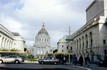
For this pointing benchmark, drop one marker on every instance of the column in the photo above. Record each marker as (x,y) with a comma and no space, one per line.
(5,45)
(3,42)
(0,41)
(7,42)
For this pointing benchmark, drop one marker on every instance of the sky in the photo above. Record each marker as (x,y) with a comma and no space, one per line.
(27,16)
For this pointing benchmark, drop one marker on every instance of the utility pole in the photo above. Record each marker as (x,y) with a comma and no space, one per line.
(69,46)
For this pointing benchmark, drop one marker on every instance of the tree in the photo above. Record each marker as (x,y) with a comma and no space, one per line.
(59,55)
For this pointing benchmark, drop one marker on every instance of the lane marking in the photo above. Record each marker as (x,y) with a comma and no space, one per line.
(82,67)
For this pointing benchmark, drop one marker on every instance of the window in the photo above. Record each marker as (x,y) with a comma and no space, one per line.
(71,48)
(91,42)
(62,50)
(86,36)
(83,46)
(104,41)
(67,47)
(62,46)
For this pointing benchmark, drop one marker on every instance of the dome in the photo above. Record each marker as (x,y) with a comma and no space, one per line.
(43,31)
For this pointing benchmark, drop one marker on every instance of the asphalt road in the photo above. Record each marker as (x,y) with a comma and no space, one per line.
(34,66)
(38,67)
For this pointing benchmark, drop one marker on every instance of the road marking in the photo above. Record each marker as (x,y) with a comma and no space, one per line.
(82,67)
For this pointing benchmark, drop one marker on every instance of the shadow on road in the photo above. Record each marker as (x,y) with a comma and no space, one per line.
(33,69)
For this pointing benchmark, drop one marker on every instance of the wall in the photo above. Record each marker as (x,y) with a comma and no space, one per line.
(95,10)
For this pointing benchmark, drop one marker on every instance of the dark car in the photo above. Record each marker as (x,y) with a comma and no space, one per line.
(98,62)
(49,61)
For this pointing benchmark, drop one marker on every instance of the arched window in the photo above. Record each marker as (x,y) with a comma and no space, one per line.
(82,42)
(71,47)
(77,44)
(86,37)
(91,40)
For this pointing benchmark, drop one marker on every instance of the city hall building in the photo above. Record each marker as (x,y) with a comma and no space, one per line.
(10,40)
(42,43)
(91,39)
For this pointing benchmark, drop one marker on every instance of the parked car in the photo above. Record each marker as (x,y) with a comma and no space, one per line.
(11,59)
(49,61)
(98,62)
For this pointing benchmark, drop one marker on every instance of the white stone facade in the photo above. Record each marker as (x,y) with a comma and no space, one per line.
(91,39)
(42,44)
(62,45)
(19,42)
(9,41)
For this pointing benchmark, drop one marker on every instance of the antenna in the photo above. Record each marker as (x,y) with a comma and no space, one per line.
(69,30)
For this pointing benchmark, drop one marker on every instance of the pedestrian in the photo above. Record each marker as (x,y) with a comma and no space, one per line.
(85,60)
(88,60)
(81,60)
(74,59)
(64,60)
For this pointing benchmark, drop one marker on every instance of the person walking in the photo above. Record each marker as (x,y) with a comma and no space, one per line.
(81,60)
(74,59)
(87,61)
(64,60)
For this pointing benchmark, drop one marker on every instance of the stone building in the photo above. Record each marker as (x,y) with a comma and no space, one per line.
(18,42)
(10,40)
(62,45)
(91,39)
(42,43)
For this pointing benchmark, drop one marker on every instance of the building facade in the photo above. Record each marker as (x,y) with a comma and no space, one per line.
(42,44)
(9,40)
(19,42)
(62,45)
(91,39)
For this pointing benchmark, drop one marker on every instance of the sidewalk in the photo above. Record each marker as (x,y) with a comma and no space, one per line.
(94,66)
(30,61)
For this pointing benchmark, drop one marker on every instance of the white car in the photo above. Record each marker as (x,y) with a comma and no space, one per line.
(11,59)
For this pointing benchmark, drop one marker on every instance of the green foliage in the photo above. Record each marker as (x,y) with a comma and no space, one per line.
(59,55)
(8,50)
(50,55)
(13,50)
(4,50)
(32,59)
(30,56)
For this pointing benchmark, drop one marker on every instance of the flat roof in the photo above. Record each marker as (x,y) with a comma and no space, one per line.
(90,5)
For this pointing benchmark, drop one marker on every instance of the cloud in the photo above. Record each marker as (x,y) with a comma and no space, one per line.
(10,23)
(27,16)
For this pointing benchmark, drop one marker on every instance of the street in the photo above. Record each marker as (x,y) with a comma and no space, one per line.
(35,66)
(32,66)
